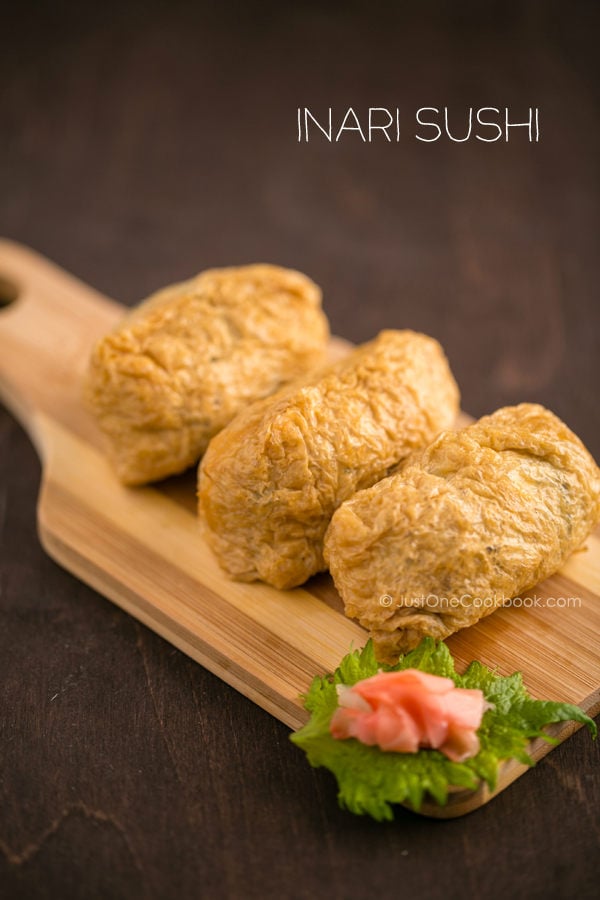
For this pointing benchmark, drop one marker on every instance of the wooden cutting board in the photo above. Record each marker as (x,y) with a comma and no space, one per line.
(142,548)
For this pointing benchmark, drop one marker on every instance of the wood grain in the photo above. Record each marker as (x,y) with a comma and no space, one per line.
(143,549)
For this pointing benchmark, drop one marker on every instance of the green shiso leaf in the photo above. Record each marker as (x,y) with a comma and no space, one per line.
(371,781)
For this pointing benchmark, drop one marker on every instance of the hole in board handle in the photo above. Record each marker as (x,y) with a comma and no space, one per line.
(8,291)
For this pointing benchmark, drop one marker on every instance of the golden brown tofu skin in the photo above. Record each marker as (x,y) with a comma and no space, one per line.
(188,359)
(270,482)
(478,517)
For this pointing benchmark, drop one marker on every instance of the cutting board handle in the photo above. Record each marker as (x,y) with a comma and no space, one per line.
(49,321)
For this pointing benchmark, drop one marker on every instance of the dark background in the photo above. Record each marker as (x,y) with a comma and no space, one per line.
(141,144)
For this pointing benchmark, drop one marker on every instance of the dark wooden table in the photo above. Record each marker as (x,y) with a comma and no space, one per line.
(142,142)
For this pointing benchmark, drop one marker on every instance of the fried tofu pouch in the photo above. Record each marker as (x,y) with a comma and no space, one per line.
(270,482)
(182,364)
(478,517)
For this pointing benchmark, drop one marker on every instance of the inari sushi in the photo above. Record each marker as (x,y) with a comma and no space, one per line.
(183,363)
(478,517)
(271,481)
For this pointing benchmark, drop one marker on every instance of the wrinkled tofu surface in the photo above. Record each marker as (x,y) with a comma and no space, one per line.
(182,364)
(477,518)
(270,482)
